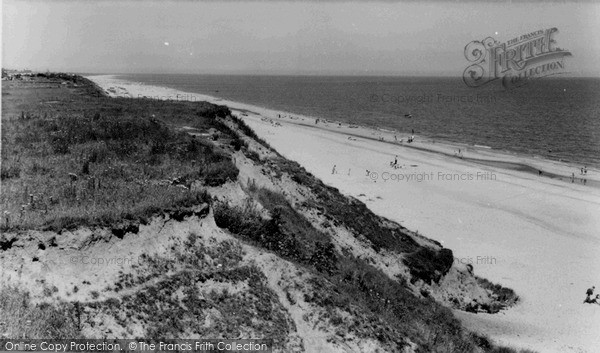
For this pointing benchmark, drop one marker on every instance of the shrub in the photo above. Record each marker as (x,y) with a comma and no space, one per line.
(219,173)
(324,258)
(506,296)
(429,265)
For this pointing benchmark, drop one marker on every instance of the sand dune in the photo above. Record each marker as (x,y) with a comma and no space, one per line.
(537,235)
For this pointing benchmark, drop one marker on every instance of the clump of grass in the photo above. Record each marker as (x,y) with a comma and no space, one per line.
(505,296)
(287,232)
(248,224)
(429,265)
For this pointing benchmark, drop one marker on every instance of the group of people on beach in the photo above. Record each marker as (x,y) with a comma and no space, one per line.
(334,170)
(588,296)
(287,116)
(582,180)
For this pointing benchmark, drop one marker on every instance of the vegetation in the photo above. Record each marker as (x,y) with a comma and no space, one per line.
(287,233)
(70,163)
(506,296)
(429,265)
(350,212)
(23,319)
(175,306)
(247,130)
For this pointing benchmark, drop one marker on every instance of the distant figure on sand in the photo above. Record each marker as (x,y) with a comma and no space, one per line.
(394,164)
(596,300)
(333,170)
(585,170)
(588,294)
(572,177)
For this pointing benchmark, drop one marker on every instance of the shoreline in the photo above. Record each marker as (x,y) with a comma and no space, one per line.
(541,233)
(509,165)
(485,155)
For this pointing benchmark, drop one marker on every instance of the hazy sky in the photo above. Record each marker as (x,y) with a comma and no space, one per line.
(337,37)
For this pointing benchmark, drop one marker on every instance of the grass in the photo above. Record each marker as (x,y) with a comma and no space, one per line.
(85,162)
(21,319)
(506,296)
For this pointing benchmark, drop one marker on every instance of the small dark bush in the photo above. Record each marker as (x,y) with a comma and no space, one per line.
(219,173)
(429,265)
(324,259)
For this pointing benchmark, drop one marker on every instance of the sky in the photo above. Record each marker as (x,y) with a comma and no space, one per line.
(275,37)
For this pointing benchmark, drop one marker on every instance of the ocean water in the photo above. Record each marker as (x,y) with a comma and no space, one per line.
(553,118)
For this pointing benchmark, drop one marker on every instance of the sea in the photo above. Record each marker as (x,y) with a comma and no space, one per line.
(555,118)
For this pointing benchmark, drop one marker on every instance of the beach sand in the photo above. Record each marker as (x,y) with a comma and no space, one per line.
(539,235)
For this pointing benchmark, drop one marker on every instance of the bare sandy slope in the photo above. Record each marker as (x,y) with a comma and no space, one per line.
(537,235)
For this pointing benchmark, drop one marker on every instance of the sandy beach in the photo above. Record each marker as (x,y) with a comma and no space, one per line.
(539,235)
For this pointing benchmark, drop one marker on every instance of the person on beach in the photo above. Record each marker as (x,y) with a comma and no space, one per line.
(588,294)
(584,170)
(333,170)
(572,177)
(596,300)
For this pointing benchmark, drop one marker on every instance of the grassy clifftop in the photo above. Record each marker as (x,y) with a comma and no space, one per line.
(230,239)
